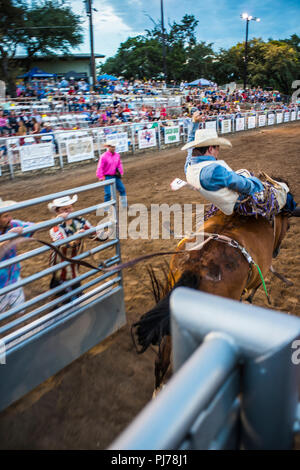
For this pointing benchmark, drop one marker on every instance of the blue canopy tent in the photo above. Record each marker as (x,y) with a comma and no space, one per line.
(201,82)
(105,76)
(35,72)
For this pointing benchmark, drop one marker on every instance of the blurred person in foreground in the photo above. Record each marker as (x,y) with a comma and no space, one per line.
(11,274)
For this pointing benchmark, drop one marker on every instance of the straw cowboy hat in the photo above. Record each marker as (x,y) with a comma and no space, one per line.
(207,138)
(6,203)
(62,202)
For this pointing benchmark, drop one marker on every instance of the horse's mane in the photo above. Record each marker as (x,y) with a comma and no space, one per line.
(160,286)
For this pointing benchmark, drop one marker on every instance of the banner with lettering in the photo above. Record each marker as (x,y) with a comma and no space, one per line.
(271,119)
(251,122)
(226,126)
(261,120)
(80,149)
(171,134)
(240,124)
(120,140)
(36,156)
(211,125)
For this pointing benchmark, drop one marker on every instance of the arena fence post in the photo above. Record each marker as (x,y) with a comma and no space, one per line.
(10,160)
(117,207)
(132,139)
(60,155)
(235,379)
(158,136)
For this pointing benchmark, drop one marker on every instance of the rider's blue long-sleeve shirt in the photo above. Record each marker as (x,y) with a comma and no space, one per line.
(214,177)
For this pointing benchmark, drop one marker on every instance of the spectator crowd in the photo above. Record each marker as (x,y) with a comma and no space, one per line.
(42,104)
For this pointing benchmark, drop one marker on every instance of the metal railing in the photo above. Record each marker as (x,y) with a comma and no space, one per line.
(235,384)
(67,303)
(60,148)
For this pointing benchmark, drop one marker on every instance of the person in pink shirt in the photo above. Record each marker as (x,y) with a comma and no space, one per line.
(109,167)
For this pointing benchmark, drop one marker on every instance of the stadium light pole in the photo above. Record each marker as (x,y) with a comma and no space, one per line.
(248,18)
(89,12)
(163,40)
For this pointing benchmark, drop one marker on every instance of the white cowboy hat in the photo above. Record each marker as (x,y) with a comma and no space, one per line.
(207,138)
(6,203)
(62,202)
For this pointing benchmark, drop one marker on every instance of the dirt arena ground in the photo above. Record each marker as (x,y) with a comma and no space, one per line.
(86,405)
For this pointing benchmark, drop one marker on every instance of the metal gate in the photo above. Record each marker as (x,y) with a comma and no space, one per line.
(50,330)
(235,384)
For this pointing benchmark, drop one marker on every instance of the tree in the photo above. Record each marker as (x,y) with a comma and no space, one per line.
(278,67)
(137,57)
(44,27)
(270,64)
(141,56)
(273,63)
(200,60)
(64,33)
(11,35)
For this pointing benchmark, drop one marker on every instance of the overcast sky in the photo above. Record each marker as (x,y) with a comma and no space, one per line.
(219,20)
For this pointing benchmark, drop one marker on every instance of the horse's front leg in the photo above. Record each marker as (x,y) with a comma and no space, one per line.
(253,292)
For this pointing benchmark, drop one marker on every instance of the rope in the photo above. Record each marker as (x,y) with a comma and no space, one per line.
(102,265)
(263,282)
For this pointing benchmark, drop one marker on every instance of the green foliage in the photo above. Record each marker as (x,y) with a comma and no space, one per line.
(142,56)
(270,64)
(65,34)
(11,21)
(29,26)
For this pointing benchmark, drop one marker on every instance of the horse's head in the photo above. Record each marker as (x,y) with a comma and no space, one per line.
(282,225)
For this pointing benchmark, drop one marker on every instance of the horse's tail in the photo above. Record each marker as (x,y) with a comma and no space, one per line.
(155,324)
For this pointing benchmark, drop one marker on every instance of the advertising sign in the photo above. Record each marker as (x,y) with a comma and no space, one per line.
(36,156)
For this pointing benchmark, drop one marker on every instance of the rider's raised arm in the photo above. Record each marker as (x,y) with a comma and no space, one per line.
(215,177)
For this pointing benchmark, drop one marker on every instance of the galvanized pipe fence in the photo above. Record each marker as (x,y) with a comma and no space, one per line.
(79,299)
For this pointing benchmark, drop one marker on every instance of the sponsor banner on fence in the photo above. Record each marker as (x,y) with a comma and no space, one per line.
(171,135)
(211,125)
(261,120)
(286,117)
(279,118)
(147,138)
(226,126)
(251,122)
(271,119)
(240,124)
(36,156)
(293,116)
(120,140)
(80,149)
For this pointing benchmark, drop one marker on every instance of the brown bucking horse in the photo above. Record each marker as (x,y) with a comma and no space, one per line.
(226,264)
